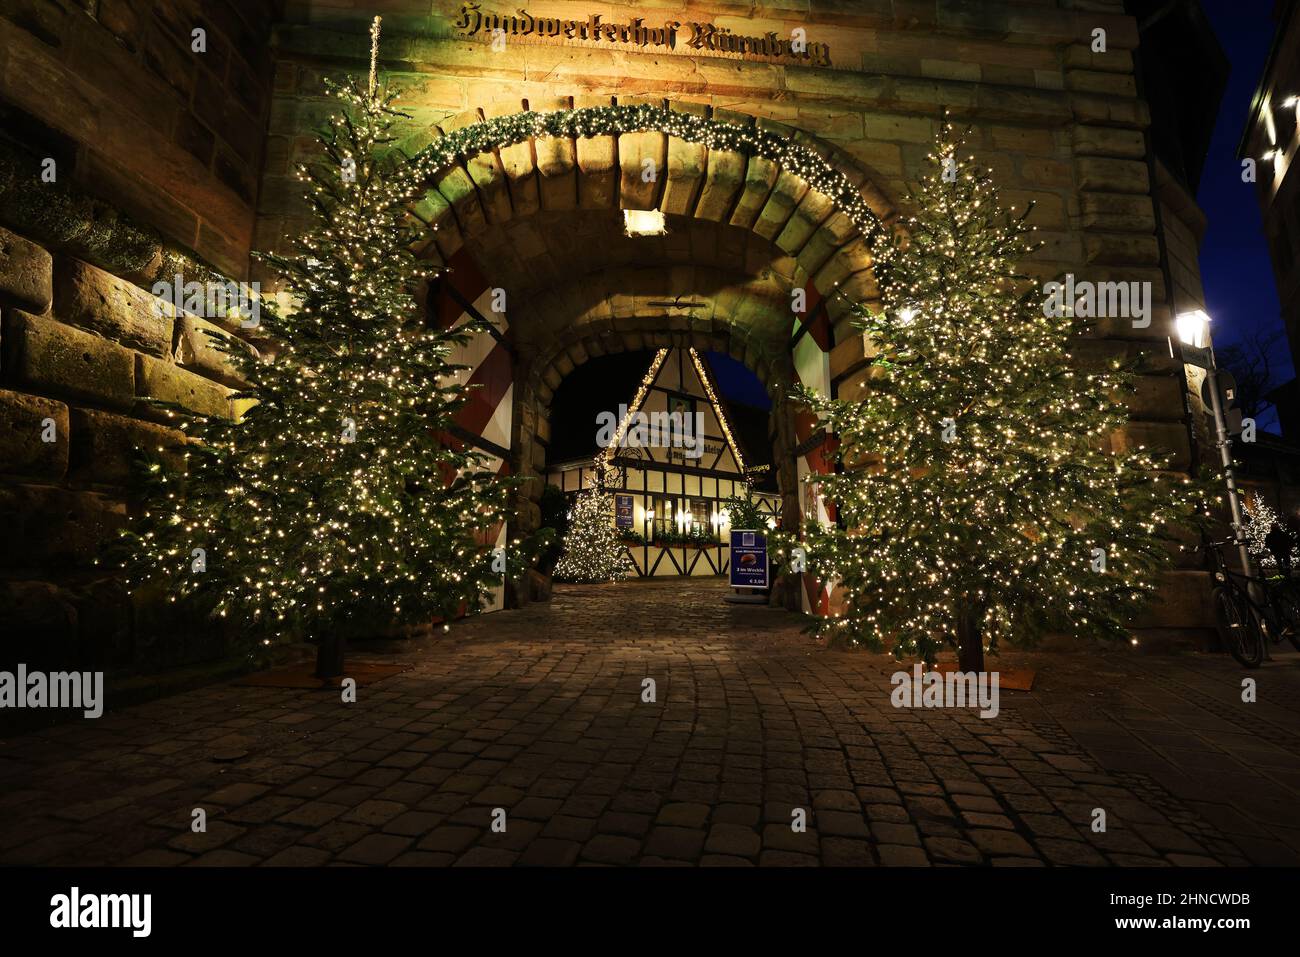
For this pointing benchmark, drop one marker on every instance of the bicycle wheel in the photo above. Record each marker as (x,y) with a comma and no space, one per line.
(1287,603)
(1238,627)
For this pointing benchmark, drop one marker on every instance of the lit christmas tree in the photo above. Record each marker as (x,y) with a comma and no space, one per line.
(1260,521)
(592,549)
(979,499)
(337,505)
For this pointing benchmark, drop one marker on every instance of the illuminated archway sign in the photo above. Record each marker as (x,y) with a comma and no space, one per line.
(668,36)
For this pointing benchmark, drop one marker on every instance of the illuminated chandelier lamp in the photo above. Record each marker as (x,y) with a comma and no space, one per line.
(644,222)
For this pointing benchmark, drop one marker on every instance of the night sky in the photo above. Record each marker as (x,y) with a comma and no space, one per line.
(1240,292)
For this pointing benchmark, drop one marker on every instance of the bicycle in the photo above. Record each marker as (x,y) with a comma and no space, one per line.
(1243,622)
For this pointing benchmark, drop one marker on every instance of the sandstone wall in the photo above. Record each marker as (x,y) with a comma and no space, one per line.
(131,111)
(81,352)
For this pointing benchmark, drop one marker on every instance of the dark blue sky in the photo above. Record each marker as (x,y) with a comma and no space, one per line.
(1240,293)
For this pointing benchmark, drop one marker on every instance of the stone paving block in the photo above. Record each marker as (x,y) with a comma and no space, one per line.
(733,840)
(683,815)
(611,849)
(787,859)
(1000,843)
(845,852)
(313,814)
(298,857)
(450,838)
(375,849)
(675,843)
(548,852)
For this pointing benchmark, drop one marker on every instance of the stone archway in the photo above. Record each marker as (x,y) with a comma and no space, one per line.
(532,201)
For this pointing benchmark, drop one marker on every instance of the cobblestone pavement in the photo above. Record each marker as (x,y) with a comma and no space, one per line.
(539,712)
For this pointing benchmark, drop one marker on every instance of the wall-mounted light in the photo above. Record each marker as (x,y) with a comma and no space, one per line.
(644,222)
(650,515)
(1193,328)
(1291,103)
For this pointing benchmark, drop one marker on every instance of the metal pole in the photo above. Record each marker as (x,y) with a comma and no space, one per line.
(1224,444)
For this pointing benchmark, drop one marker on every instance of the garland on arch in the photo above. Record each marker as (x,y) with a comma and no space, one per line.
(504,131)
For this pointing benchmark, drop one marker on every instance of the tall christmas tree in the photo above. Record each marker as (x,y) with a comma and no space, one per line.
(592,549)
(980,499)
(337,505)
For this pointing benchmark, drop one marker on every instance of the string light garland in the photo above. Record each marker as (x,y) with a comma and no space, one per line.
(604,461)
(499,132)
(717,408)
(978,487)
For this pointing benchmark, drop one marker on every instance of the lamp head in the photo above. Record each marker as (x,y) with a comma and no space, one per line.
(1193,328)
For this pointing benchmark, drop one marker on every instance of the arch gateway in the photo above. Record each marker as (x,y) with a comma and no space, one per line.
(773,137)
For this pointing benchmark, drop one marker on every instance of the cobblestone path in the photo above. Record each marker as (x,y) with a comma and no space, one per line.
(539,712)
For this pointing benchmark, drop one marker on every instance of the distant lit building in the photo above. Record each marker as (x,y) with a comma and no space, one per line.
(674,460)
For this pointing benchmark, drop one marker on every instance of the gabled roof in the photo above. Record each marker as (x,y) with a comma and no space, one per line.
(638,400)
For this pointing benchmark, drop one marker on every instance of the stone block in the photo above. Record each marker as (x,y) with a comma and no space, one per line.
(1121,249)
(48,356)
(1105,141)
(850,355)
(164,382)
(199,349)
(98,301)
(55,528)
(1157,398)
(1117,213)
(26,273)
(38,625)
(1112,175)
(105,446)
(24,423)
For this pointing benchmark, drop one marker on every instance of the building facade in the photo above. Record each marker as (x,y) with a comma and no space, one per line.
(774,137)
(1269,144)
(672,461)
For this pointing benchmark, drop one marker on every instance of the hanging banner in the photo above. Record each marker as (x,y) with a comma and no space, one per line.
(748,559)
(622,511)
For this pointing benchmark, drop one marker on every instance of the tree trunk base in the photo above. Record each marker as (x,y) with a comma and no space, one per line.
(970,644)
(330,654)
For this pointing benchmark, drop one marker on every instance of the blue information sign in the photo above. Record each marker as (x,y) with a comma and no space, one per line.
(622,511)
(748,559)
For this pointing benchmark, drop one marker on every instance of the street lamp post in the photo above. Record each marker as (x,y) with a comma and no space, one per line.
(1194,333)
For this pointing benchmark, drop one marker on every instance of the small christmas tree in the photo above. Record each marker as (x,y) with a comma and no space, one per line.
(980,498)
(592,549)
(337,505)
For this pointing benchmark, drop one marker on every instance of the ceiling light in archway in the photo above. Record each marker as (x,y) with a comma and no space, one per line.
(644,222)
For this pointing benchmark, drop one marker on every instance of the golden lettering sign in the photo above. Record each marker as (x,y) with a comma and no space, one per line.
(704,37)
